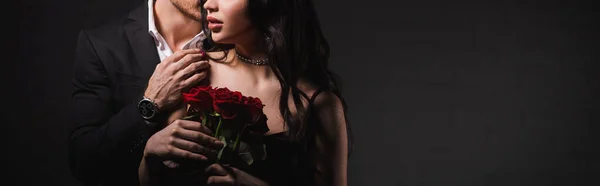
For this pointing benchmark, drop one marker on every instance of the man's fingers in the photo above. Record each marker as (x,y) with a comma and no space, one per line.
(203,135)
(192,125)
(217,170)
(175,67)
(221,175)
(191,69)
(174,152)
(189,59)
(198,137)
(193,80)
(220,180)
(192,147)
(180,54)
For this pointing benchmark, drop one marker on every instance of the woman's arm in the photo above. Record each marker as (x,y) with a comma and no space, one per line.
(144,173)
(331,151)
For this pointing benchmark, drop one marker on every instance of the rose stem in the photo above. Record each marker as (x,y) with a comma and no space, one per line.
(217,135)
(237,139)
(204,118)
(218,128)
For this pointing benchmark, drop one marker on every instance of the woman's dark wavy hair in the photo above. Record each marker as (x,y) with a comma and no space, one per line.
(297,49)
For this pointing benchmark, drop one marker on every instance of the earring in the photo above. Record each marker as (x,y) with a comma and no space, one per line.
(268,42)
(267,38)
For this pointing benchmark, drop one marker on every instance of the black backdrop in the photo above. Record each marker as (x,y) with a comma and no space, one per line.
(440,92)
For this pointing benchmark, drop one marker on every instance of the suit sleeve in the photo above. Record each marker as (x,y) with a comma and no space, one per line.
(106,142)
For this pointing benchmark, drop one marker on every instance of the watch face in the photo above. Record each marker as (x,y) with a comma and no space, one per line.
(146,109)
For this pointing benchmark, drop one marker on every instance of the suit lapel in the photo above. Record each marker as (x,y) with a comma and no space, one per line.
(141,42)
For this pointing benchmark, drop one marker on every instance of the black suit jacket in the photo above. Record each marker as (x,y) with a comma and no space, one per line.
(113,65)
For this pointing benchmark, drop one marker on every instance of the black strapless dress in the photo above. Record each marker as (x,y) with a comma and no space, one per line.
(285,164)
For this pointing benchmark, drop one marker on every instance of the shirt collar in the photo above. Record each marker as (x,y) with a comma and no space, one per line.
(151,26)
(195,42)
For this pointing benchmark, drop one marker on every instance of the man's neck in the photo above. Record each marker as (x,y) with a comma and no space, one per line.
(173,25)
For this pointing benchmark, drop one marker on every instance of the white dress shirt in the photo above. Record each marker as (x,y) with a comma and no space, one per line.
(163,48)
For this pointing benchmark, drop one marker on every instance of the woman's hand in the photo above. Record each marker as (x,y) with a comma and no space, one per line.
(219,175)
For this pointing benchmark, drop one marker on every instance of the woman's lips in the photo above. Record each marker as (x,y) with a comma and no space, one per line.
(214,23)
(214,26)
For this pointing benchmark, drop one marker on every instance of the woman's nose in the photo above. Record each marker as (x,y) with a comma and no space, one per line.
(210,5)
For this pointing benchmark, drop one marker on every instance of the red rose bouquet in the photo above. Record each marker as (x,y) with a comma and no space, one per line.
(237,120)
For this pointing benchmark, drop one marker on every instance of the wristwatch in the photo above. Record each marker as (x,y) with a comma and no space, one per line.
(149,112)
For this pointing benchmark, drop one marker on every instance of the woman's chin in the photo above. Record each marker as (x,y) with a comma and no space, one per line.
(220,38)
(216,37)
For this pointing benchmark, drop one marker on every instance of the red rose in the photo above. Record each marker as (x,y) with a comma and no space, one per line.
(260,126)
(199,98)
(227,103)
(254,107)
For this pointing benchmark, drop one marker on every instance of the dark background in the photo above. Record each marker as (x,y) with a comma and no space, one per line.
(440,92)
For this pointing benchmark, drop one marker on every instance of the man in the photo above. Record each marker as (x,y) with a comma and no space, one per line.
(128,79)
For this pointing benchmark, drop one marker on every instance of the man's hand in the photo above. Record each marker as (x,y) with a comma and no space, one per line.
(174,75)
(183,139)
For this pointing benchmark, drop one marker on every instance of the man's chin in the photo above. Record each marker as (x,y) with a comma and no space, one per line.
(195,15)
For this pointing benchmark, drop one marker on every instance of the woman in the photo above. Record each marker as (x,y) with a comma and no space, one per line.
(263,48)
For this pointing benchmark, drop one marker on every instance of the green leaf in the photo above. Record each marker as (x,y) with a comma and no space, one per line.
(237,138)
(247,157)
(259,151)
(247,151)
(224,140)
(264,150)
